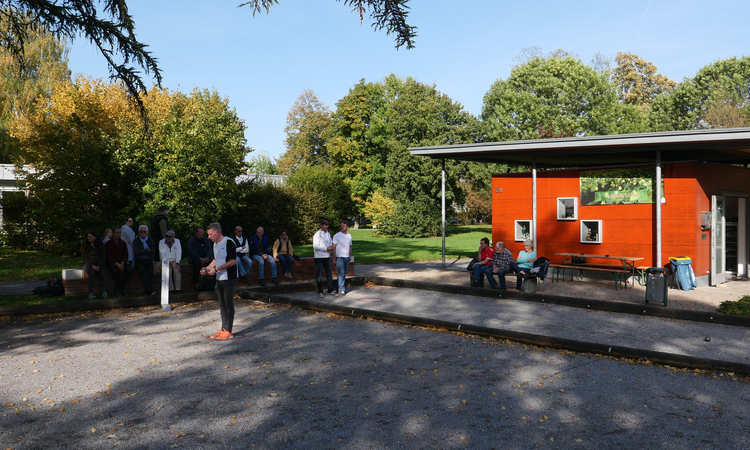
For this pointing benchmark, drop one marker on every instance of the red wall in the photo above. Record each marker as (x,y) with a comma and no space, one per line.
(627,230)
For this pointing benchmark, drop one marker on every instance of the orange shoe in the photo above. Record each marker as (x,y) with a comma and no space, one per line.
(217,334)
(224,334)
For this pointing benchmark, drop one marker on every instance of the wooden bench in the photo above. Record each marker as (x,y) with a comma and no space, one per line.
(619,273)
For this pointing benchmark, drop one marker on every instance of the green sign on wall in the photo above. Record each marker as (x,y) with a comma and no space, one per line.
(618,186)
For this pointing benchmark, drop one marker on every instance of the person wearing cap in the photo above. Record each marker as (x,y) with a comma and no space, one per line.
(170,250)
(322,248)
(159,226)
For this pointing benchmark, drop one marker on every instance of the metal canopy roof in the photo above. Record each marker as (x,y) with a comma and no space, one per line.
(729,146)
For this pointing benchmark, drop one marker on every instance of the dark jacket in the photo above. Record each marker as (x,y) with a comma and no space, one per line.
(140,253)
(264,249)
(93,256)
(159,228)
(199,248)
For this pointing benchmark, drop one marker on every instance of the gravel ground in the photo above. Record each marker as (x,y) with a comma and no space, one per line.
(700,299)
(143,378)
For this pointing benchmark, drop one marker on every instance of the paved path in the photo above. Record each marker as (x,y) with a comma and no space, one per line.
(20,287)
(654,334)
(143,378)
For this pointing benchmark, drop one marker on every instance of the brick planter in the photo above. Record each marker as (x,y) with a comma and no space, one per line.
(75,281)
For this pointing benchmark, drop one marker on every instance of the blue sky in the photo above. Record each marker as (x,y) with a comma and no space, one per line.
(263,64)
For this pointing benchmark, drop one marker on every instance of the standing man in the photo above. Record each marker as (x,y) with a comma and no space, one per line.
(322,248)
(224,267)
(159,226)
(170,250)
(117,260)
(199,253)
(128,236)
(243,261)
(144,250)
(342,248)
(484,260)
(259,246)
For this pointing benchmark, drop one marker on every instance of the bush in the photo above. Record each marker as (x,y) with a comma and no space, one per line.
(319,193)
(414,219)
(740,307)
(272,207)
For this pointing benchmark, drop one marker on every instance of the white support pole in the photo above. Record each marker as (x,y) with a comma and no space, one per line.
(443,207)
(533,205)
(658,209)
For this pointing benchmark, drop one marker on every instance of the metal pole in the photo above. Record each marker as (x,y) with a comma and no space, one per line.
(443,207)
(533,205)
(658,209)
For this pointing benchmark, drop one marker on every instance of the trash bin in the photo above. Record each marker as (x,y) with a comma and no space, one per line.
(683,272)
(656,285)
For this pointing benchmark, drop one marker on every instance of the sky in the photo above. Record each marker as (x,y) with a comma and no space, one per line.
(262,64)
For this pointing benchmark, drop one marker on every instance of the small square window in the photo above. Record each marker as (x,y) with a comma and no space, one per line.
(523,230)
(591,231)
(567,208)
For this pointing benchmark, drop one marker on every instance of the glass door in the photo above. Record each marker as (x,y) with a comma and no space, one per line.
(718,240)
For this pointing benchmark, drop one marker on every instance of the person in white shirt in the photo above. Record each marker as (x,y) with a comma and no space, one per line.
(171,250)
(322,248)
(342,248)
(224,267)
(244,263)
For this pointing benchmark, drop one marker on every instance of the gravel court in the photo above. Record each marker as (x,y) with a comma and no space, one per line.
(147,379)
(725,342)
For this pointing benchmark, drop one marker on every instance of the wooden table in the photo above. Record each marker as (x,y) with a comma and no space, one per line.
(628,262)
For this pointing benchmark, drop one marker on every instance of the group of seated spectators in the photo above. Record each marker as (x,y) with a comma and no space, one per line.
(122,251)
(500,262)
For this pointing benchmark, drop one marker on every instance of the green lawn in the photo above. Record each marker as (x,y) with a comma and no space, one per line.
(27,265)
(463,241)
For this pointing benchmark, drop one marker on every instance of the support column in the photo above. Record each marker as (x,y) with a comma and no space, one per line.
(658,209)
(533,205)
(443,208)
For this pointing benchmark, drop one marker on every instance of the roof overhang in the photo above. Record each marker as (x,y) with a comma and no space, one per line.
(728,146)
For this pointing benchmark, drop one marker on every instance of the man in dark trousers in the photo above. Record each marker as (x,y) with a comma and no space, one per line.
(224,266)
(159,226)
(117,260)
(199,252)
(144,249)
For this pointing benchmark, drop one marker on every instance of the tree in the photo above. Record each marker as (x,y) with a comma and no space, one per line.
(637,80)
(188,158)
(358,150)
(93,161)
(320,193)
(308,131)
(718,96)
(556,97)
(74,181)
(420,115)
(45,65)
(388,14)
(113,34)
(263,164)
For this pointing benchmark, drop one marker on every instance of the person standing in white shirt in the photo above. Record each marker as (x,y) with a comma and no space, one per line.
(342,248)
(322,248)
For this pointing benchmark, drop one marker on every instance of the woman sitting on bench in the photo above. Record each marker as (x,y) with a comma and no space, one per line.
(525,261)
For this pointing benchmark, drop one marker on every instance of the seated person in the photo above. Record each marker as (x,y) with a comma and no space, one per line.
(283,253)
(484,261)
(502,263)
(244,264)
(94,260)
(260,248)
(170,249)
(525,260)
(200,252)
